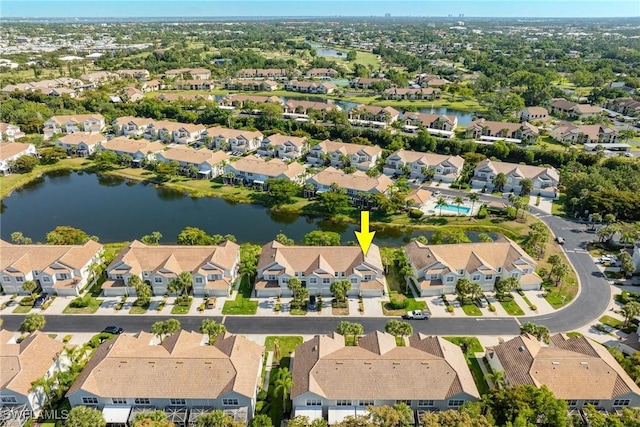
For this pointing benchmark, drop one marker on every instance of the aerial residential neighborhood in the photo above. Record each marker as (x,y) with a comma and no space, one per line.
(313,214)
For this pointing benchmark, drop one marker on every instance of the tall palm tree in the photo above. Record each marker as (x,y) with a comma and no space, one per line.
(458,201)
(283,385)
(440,203)
(473,198)
(499,181)
(345,159)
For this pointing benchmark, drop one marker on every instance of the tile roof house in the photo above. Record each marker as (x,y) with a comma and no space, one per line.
(133,94)
(98,77)
(363,157)
(150,86)
(304,107)
(184,97)
(251,170)
(193,85)
(283,146)
(180,133)
(194,73)
(485,130)
(430,80)
(181,373)
(266,73)
(10,151)
(257,85)
(131,126)
(310,87)
(338,380)
(240,101)
(576,369)
(81,143)
(9,132)
(322,73)
(140,74)
(210,164)
(373,113)
(530,114)
(233,140)
(354,183)
(57,269)
(412,93)
(437,268)
(545,179)
(447,168)
(626,106)
(213,268)
(138,149)
(573,109)
(365,82)
(35,357)
(317,267)
(435,124)
(92,123)
(568,133)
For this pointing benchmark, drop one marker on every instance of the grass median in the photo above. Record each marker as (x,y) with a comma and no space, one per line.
(242,304)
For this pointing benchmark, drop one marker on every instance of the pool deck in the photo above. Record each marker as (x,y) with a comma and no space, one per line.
(431,208)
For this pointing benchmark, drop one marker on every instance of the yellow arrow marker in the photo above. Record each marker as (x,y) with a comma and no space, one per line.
(364,236)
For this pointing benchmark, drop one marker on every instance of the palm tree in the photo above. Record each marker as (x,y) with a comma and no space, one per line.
(182,283)
(497,378)
(440,203)
(458,201)
(473,198)
(499,182)
(345,159)
(283,385)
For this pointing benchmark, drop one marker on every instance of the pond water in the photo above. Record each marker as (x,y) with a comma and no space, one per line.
(117,210)
(326,51)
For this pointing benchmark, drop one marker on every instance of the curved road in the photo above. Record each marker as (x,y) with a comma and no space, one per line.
(592,301)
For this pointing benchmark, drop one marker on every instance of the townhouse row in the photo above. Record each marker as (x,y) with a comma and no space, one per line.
(185,377)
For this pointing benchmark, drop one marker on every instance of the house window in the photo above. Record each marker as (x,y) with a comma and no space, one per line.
(46,279)
(366,403)
(90,400)
(314,402)
(591,402)
(299,273)
(455,403)
(141,401)
(489,277)
(499,269)
(434,276)
(178,402)
(8,399)
(198,279)
(230,402)
(343,402)
(119,277)
(119,401)
(515,274)
(621,402)
(158,280)
(425,403)
(6,278)
(406,402)
(369,277)
(572,403)
(312,280)
(326,280)
(19,279)
(450,279)
(354,280)
(461,271)
(475,277)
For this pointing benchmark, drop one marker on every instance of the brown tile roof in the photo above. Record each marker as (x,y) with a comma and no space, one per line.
(469,256)
(26,258)
(191,155)
(428,159)
(277,139)
(138,121)
(176,126)
(329,146)
(227,133)
(10,149)
(536,111)
(562,104)
(572,368)
(358,180)
(495,127)
(78,137)
(21,364)
(129,366)
(174,258)
(273,167)
(428,119)
(430,368)
(254,98)
(292,104)
(132,146)
(526,171)
(419,196)
(77,118)
(375,109)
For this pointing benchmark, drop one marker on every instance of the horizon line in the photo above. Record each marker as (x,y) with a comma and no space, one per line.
(320,17)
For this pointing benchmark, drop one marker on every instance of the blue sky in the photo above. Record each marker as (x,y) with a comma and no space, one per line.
(218,8)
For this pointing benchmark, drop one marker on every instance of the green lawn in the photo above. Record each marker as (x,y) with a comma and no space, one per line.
(512,308)
(412,305)
(92,305)
(140,309)
(287,344)
(473,346)
(524,297)
(557,206)
(242,304)
(471,310)
(22,309)
(472,343)
(611,321)
(574,334)
(181,308)
(298,311)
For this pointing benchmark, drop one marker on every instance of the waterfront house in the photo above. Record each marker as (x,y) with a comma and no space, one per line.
(240,101)
(182,376)
(333,381)
(416,164)
(214,269)
(428,93)
(322,73)
(56,269)
(531,114)
(251,170)
(317,267)
(11,151)
(354,183)
(180,133)
(283,146)
(255,85)
(81,143)
(92,123)
(233,140)
(193,85)
(545,179)
(436,269)
(193,73)
(560,106)
(294,106)
(365,82)
(139,150)
(436,124)
(310,87)
(266,73)
(341,154)
(209,164)
(578,370)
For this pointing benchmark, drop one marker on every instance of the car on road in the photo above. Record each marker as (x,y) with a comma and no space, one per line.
(42,298)
(417,315)
(115,330)
(560,240)
(312,305)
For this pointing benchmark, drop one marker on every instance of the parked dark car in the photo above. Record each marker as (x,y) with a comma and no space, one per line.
(312,305)
(115,330)
(42,298)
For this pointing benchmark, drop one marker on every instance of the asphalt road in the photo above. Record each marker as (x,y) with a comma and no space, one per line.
(592,301)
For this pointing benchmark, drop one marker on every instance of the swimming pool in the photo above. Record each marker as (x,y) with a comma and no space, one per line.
(464,210)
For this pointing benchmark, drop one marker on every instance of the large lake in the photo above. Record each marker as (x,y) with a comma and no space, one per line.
(118,210)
